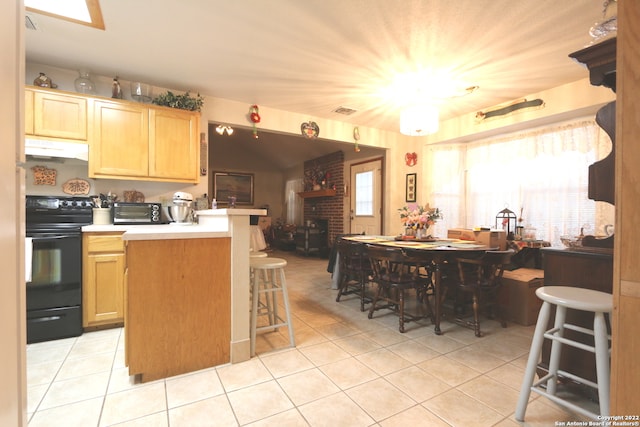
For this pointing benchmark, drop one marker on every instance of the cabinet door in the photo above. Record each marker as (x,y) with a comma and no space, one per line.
(28,112)
(120,147)
(59,116)
(103,299)
(173,145)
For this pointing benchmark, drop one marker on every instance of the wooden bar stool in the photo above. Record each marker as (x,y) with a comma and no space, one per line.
(261,305)
(268,279)
(563,298)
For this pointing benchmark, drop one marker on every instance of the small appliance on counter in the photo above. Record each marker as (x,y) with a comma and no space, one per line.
(180,212)
(136,213)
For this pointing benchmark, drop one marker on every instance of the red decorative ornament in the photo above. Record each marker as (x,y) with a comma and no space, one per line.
(253,114)
(254,117)
(411,159)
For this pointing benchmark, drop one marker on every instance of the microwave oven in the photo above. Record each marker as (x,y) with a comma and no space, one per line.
(124,213)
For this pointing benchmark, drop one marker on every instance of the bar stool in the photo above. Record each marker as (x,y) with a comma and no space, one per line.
(268,279)
(267,304)
(565,297)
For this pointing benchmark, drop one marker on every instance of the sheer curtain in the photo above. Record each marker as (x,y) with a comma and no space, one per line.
(541,175)
(294,203)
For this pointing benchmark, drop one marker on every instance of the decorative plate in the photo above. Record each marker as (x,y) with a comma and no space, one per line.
(133,196)
(76,186)
(310,129)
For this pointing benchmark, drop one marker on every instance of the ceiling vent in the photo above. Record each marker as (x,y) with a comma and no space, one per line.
(344,111)
(30,22)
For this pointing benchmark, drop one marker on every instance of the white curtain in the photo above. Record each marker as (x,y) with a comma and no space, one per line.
(294,203)
(541,175)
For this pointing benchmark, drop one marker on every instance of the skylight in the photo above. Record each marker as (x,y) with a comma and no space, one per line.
(85,12)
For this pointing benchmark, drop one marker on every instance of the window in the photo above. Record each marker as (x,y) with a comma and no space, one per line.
(85,12)
(293,202)
(364,193)
(542,176)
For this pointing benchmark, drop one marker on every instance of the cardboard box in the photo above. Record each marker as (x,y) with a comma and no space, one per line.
(519,293)
(491,238)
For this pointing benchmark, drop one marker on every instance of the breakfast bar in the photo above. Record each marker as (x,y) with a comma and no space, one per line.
(187,298)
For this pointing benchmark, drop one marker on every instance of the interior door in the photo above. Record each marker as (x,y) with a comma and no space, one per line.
(366,198)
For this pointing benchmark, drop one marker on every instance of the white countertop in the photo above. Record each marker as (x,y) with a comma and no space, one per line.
(161,231)
(212,225)
(231,212)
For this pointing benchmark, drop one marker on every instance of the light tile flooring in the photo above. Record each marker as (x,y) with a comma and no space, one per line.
(346,370)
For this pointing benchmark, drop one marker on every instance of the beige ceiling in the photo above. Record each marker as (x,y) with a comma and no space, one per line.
(312,56)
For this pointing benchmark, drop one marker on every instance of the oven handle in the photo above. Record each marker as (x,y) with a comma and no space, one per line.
(36,238)
(45,319)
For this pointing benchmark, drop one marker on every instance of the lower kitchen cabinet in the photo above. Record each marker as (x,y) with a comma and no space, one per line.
(103,279)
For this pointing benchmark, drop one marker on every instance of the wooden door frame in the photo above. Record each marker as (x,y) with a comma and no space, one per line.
(382,188)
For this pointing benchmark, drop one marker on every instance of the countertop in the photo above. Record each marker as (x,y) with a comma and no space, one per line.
(161,231)
(213,223)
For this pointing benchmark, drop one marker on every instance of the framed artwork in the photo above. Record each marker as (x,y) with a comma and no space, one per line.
(228,184)
(410,192)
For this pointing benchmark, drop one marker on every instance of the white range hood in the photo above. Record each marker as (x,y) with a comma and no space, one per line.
(47,149)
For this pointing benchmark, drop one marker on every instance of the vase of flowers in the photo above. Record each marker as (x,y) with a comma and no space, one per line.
(417,220)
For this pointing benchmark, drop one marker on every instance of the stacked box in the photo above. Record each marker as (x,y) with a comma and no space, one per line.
(519,292)
(492,238)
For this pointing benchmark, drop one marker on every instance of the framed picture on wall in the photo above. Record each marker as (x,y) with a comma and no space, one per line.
(228,184)
(410,192)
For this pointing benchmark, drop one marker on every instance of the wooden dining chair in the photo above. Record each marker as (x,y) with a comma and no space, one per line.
(394,273)
(355,270)
(481,277)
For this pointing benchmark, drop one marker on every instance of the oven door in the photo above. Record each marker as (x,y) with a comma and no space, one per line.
(56,270)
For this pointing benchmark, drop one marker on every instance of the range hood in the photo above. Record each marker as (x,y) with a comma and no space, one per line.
(55,150)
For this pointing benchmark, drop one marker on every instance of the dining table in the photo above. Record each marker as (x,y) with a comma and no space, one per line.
(436,251)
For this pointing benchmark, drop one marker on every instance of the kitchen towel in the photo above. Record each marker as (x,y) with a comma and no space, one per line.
(28,257)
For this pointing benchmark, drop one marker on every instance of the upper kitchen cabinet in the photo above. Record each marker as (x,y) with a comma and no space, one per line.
(136,141)
(56,114)
(173,144)
(120,144)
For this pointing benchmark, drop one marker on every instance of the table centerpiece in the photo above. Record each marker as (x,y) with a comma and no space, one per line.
(417,220)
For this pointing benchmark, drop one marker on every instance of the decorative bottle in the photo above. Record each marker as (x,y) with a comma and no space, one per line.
(84,84)
(214,204)
(116,90)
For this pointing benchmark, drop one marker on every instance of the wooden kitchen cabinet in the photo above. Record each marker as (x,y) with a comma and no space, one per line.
(120,144)
(178,306)
(140,142)
(56,114)
(103,284)
(173,144)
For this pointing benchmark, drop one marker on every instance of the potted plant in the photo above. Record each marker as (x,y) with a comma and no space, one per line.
(183,102)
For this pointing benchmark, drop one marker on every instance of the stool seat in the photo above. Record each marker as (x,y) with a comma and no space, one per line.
(576,298)
(564,298)
(267,262)
(257,254)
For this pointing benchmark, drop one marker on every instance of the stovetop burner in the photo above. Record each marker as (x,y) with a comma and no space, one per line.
(58,210)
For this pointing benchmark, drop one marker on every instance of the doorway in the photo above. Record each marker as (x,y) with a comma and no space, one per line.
(365,210)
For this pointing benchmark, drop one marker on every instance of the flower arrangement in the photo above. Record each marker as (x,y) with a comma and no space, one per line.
(315,176)
(415,216)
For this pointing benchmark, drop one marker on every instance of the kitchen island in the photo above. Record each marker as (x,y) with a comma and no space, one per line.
(187,294)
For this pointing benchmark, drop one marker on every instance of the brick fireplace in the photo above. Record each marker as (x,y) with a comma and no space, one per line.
(327,208)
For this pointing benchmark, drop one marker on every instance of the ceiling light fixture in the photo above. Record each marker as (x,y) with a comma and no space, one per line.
(419,120)
(221,129)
